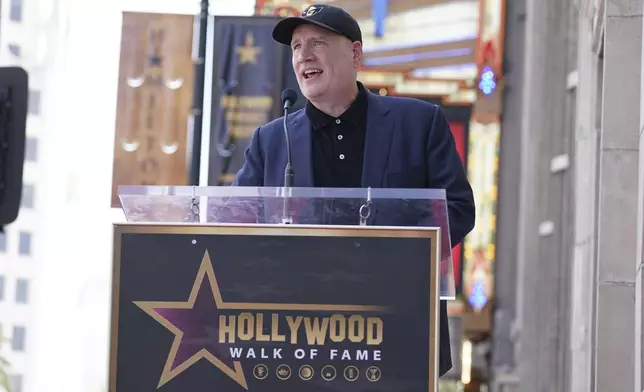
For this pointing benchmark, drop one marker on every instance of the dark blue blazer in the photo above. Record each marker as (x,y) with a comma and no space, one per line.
(408,145)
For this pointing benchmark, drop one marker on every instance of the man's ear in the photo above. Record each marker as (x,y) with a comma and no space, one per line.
(356,49)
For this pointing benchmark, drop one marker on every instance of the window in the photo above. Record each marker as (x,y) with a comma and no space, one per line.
(28,196)
(1,291)
(15,50)
(15,382)
(22,291)
(24,243)
(18,338)
(34,102)
(31,149)
(15,14)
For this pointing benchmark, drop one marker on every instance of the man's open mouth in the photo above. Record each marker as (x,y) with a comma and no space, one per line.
(312,73)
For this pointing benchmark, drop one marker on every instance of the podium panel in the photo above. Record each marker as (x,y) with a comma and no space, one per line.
(271,307)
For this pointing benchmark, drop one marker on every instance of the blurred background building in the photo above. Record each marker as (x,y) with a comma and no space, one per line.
(569,266)
(544,102)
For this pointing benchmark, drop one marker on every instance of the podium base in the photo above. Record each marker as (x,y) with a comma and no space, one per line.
(274,307)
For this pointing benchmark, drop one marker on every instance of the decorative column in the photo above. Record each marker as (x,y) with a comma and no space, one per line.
(619,241)
(546,189)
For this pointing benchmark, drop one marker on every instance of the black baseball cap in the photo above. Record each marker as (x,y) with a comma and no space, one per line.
(328,17)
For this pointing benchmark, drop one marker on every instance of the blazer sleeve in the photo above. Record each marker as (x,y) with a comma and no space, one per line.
(240,209)
(446,171)
(252,172)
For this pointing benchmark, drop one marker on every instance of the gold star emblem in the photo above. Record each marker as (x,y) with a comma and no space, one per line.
(206,295)
(248,52)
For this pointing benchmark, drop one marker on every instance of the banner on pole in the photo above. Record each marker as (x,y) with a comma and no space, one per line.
(251,70)
(155,91)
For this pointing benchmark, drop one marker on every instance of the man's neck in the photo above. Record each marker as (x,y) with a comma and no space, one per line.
(336,107)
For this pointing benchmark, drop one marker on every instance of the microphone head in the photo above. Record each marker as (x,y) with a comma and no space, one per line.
(289,97)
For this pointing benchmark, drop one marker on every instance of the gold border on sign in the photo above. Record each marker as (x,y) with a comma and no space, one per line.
(283,230)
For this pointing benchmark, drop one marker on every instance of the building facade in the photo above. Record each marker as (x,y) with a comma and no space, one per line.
(55,260)
(22,26)
(571,187)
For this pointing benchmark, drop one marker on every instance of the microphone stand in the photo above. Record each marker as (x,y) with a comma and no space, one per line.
(288,172)
(365,209)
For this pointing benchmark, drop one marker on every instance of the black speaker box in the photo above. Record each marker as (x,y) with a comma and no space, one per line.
(14,91)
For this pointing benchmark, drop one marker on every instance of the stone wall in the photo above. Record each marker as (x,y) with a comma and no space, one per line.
(581,200)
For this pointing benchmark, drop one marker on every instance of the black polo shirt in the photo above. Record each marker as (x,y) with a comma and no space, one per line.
(338,144)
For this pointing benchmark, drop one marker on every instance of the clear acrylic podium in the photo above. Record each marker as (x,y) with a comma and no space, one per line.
(306,206)
(267,257)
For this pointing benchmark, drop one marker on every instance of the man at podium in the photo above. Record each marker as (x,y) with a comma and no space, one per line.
(347,137)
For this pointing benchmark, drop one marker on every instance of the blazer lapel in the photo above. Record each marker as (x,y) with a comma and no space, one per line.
(380,130)
(300,133)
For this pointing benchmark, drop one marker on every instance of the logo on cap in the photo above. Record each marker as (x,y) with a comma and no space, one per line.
(312,10)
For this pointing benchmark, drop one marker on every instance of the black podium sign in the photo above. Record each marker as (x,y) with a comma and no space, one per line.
(274,308)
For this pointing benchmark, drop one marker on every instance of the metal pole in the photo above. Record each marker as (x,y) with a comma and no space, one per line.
(197,103)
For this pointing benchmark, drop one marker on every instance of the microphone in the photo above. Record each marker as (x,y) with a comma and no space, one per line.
(289,97)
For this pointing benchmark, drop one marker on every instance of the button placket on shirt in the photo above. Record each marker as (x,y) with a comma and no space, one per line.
(339,137)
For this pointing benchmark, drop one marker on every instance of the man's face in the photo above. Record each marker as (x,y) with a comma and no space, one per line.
(325,63)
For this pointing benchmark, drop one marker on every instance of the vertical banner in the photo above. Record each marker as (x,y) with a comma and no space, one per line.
(155,89)
(478,273)
(251,70)
(483,157)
